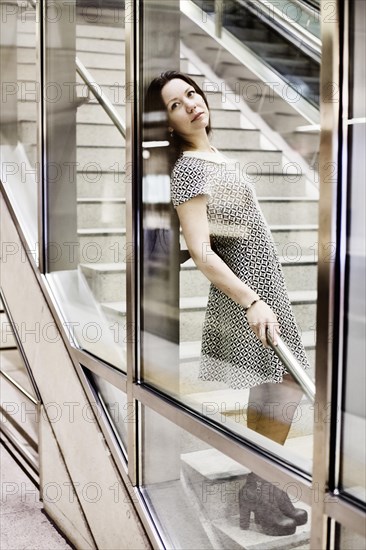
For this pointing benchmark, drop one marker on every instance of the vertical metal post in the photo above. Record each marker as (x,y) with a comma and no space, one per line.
(59,157)
(328,163)
(132,11)
(41,196)
(219,8)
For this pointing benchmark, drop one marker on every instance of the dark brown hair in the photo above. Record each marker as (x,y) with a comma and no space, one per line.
(154,102)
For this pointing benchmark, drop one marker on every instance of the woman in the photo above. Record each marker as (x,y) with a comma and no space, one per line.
(231,244)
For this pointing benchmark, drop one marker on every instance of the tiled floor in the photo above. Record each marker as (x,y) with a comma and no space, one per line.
(22,523)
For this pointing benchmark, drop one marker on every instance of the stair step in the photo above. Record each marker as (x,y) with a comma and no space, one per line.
(281,185)
(26,40)
(300,273)
(27,73)
(254,160)
(192,312)
(107,77)
(107,281)
(305,143)
(11,360)
(93,113)
(97,183)
(289,210)
(101,32)
(100,45)
(7,340)
(191,350)
(214,465)
(215,481)
(26,55)
(106,158)
(302,238)
(221,118)
(94,135)
(104,245)
(292,240)
(243,139)
(101,212)
(233,537)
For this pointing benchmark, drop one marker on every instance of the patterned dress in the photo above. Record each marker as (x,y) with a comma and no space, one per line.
(239,234)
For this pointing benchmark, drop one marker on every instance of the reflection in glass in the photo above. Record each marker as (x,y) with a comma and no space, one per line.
(115,404)
(288,200)
(86,249)
(354,407)
(20,98)
(203,499)
(20,413)
(273,31)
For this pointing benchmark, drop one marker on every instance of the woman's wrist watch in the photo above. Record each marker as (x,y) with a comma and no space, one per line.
(252,304)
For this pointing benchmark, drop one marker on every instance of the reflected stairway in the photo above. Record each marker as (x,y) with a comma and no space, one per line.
(287,94)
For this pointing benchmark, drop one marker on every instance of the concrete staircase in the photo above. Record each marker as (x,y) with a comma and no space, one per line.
(214,481)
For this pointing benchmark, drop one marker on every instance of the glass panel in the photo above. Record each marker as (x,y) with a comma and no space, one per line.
(349,540)
(12,364)
(203,499)
(86,249)
(354,408)
(11,361)
(270,30)
(20,95)
(175,357)
(115,405)
(280,48)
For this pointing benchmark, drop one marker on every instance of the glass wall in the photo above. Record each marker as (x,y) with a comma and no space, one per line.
(175,292)
(114,402)
(20,97)
(354,412)
(86,250)
(204,499)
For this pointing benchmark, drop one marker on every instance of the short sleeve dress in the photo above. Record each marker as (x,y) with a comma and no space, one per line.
(239,234)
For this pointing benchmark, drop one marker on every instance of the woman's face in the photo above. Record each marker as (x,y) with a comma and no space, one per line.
(187,110)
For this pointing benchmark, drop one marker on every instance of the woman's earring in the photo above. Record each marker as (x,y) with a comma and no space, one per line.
(171,131)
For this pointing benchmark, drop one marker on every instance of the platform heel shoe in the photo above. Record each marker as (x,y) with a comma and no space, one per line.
(257,496)
(284,503)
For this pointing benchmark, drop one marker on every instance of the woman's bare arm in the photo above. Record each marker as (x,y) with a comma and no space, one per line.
(193,219)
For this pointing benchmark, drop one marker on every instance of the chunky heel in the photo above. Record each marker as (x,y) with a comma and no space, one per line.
(258,496)
(244,513)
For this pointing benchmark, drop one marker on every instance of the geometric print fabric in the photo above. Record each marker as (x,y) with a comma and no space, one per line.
(239,234)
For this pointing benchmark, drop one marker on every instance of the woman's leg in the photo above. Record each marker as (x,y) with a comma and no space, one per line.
(272,407)
(270,412)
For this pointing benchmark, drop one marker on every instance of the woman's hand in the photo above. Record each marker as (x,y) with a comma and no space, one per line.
(260,318)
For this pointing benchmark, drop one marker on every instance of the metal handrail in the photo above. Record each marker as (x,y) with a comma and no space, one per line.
(96,90)
(293,366)
(100,96)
